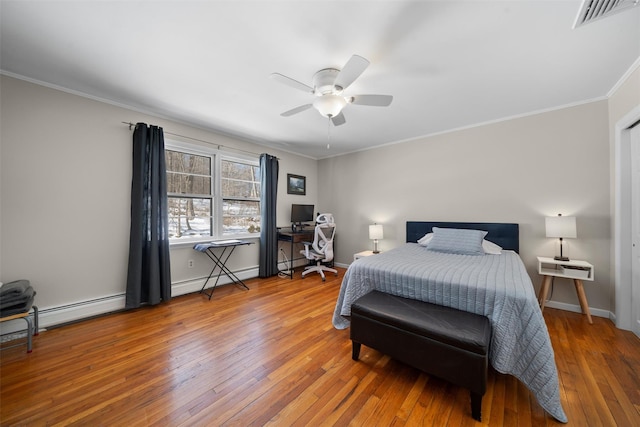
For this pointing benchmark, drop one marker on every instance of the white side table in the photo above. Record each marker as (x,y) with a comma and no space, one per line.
(573,269)
(362,255)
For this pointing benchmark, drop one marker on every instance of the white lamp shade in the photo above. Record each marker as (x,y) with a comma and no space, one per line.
(375,232)
(330,105)
(561,226)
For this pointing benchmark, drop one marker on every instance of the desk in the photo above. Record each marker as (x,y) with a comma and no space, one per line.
(293,237)
(574,269)
(220,261)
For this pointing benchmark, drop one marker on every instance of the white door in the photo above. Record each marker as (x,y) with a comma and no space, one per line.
(635,228)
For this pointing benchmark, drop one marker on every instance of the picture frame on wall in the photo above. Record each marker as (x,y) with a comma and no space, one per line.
(296,184)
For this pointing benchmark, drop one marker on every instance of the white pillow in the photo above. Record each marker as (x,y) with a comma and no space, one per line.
(424,240)
(491,248)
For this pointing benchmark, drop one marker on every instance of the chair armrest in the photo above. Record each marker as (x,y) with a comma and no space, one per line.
(307,246)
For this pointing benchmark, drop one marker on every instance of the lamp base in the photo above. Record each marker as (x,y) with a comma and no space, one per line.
(375,246)
(561,258)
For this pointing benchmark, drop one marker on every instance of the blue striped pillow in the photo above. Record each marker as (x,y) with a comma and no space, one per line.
(457,241)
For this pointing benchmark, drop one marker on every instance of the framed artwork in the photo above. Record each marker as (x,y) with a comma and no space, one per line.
(296,184)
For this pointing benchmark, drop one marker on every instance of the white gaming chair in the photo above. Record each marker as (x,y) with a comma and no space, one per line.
(321,249)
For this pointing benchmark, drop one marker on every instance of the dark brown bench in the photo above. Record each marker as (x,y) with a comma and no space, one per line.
(441,341)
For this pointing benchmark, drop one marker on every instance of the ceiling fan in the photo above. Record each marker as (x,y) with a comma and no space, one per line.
(328,85)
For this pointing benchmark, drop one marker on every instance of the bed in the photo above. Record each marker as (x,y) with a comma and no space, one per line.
(493,285)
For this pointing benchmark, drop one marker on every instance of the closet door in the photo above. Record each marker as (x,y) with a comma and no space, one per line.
(635,229)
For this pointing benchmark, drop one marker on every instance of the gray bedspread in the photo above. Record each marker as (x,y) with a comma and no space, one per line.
(496,286)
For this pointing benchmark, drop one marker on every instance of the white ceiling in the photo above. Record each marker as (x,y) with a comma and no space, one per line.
(448,64)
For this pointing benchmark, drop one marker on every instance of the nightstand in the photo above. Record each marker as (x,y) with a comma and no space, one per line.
(573,269)
(362,255)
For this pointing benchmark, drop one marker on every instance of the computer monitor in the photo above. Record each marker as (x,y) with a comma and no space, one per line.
(301,214)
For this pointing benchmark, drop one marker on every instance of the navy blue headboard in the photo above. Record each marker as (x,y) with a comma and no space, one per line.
(503,234)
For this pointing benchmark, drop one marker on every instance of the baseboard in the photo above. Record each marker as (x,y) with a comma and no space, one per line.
(576,309)
(53,316)
(69,313)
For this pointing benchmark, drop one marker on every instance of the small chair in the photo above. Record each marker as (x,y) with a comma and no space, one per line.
(321,249)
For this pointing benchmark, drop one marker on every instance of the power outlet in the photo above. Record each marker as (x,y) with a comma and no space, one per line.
(190,263)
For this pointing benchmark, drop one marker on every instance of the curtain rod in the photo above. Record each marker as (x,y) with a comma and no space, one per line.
(131,125)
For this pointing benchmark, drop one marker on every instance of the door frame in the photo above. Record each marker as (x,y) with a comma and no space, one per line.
(622,222)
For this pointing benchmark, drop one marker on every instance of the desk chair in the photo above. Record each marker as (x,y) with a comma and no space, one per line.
(321,249)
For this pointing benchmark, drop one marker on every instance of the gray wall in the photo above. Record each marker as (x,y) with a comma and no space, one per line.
(518,170)
(65,176)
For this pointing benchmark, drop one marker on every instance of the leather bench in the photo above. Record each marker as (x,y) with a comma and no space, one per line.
(441,341)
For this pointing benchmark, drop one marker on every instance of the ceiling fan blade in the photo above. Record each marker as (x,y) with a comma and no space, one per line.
(291,82)
(351,71)
(338,120)
(373,100)
(296,110)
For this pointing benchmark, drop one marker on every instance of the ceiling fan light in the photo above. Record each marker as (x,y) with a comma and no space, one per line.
(329,105)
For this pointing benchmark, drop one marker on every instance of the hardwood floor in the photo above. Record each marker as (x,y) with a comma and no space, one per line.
(270,356)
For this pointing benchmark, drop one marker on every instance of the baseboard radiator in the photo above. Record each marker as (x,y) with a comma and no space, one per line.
(55,316)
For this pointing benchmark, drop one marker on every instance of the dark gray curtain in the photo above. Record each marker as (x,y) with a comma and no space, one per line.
(149,274)
(268,201)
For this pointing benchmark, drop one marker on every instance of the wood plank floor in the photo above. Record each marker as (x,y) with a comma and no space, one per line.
(270,356)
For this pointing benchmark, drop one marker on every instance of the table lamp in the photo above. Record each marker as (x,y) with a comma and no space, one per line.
(375,233)
(561,227)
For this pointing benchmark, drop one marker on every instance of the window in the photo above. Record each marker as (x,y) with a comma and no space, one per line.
(189,188)
(211,194)
(240,197)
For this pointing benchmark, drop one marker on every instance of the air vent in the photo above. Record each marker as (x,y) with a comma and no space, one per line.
(592,10)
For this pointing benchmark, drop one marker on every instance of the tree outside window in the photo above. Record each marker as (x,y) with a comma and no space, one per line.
(240,187)
(189,184)
(211,194)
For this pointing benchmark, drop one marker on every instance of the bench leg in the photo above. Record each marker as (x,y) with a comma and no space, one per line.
(29,333)
(476,406)
(355,350)
(36,327)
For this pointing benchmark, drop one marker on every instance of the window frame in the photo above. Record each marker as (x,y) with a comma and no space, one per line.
(216,155)
(234,159)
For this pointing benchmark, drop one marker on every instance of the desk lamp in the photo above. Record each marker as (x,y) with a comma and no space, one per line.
(375,233)
(561,227)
